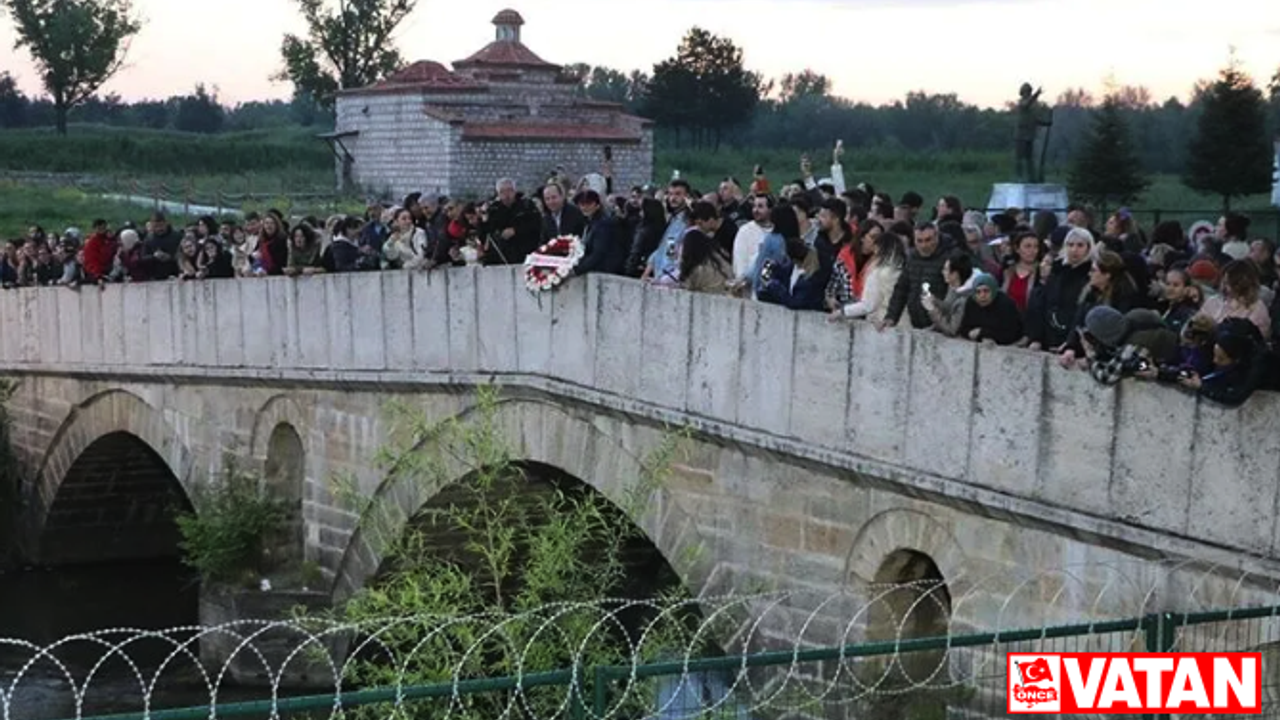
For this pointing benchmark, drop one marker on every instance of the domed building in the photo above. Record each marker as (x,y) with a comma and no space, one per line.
(501,112)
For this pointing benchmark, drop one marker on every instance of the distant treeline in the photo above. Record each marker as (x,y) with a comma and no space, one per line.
(799,111)
(198,112)
(796,111)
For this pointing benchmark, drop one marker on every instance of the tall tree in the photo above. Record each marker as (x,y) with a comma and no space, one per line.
(705,87)
(1230,153)
(1274,89)
(345,48)
(77,45)
(671,96)
(803,84)
(199,112)
(13,103)
(1106,169)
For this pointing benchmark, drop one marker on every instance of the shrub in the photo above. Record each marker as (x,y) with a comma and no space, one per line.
(222,538)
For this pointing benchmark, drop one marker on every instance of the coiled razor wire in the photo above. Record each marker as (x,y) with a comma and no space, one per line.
(795,653)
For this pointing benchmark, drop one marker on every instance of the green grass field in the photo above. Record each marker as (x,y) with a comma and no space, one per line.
(256,170)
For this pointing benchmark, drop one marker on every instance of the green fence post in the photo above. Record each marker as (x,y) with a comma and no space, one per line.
(599,691)
(577,708)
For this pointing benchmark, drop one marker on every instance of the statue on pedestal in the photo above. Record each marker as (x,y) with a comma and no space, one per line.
(1030,118)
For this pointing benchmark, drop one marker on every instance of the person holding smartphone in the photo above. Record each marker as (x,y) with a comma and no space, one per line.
(923,274)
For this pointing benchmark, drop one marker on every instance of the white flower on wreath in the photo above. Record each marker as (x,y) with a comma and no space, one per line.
(552,277)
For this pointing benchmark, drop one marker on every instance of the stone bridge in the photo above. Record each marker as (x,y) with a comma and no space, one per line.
(821,453)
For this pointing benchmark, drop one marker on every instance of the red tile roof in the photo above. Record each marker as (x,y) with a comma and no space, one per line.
(532,131)
(422,75)
(506,53)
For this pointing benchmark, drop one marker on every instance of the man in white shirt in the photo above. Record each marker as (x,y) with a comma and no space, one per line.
(750,236)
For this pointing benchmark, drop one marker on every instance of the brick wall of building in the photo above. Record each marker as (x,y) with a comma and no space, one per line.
(480,164)
(400,149)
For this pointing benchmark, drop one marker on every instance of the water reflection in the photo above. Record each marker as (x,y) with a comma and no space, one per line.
(40,607)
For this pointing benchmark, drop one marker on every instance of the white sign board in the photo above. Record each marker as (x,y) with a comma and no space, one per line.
(1028,197)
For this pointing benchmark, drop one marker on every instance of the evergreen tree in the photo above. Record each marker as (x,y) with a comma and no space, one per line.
(13,103)
(199,112)
(704,88)
(1230,153)
(1106,169)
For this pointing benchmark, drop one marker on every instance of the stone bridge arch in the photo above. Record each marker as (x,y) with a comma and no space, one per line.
(111,424)
(601,450)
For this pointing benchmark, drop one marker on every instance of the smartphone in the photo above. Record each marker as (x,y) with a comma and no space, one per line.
(759,171)
(608,152)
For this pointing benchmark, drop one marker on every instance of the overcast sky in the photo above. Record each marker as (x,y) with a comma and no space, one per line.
(873,50)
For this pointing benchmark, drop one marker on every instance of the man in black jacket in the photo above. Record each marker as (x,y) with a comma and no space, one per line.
(512,226)
(924,267)
(160,248)
(559,218)
(605,246)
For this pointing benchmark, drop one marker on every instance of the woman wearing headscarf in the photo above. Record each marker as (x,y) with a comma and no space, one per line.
(990,315)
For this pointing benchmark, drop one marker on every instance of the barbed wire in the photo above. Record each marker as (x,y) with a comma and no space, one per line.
(794,652)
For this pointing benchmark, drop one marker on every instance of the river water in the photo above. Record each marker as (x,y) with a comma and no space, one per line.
(42,606)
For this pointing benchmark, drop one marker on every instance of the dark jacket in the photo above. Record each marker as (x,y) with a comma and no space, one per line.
(167,243)
(220,267)
(1123,299)
(1000,322)
(572,222)
(644,240)
(1231,386)
(906,294)
(521,216)
(1051,310)
(344,255)
(809,292)
(605,245)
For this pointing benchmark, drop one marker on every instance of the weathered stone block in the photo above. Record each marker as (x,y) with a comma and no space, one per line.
(230,319)
(619,317)
(877,413)
(339,315)
(766,367)
(820,381)
(260,321)
(715,337)
(497,339)
(1005,427)
(1233,449)
(430,318)
(313,324)
(1077,436)
(1152,488)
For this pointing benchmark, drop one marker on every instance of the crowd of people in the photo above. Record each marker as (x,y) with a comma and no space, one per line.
(1194,307)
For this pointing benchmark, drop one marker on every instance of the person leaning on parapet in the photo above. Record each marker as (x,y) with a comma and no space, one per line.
(923,274)
(160,248)
(512,226)
(605,245)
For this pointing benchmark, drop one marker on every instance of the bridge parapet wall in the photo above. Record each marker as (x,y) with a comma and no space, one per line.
(1002,431)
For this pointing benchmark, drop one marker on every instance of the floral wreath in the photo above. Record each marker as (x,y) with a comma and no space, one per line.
(549,266)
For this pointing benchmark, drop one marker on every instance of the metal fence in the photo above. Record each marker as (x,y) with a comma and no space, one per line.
(1265,221)
(906,678)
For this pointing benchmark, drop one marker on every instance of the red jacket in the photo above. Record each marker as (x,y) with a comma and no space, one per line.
(99,255)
